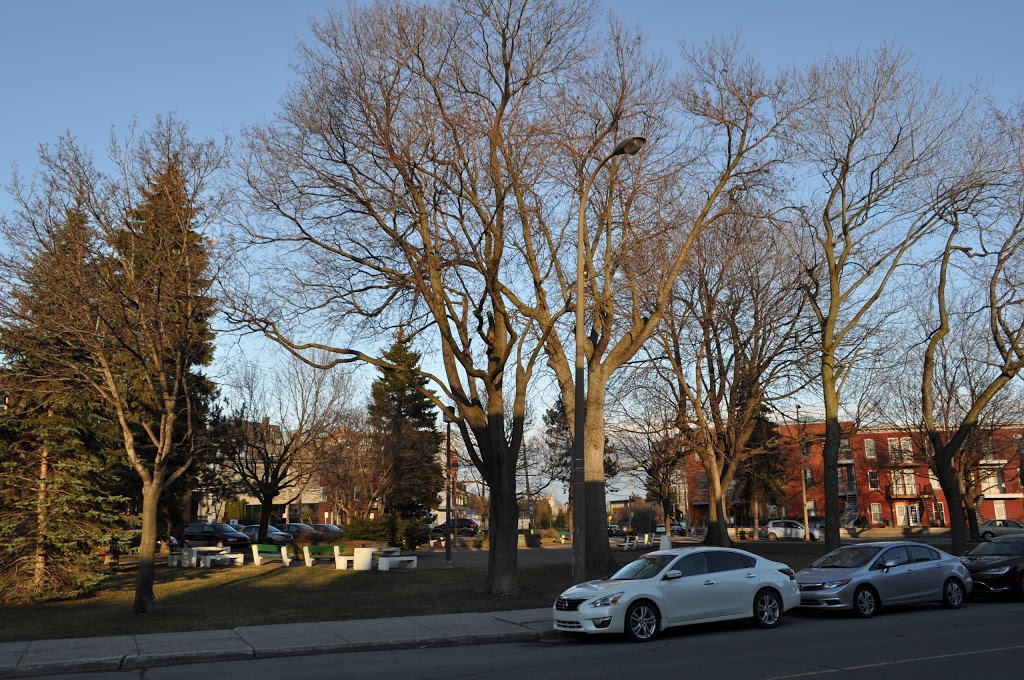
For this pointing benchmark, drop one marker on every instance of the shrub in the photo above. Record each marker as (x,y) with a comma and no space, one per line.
(410,533)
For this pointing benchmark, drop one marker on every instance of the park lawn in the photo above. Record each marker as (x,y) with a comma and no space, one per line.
(225,598)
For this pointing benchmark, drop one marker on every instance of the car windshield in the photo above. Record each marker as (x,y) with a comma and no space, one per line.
(998,548)
(846,558)
(647,566)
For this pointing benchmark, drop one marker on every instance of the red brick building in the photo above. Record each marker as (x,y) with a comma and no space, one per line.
(884,479)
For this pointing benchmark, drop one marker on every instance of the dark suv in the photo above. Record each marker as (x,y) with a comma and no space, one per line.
(462,527)
(217,533)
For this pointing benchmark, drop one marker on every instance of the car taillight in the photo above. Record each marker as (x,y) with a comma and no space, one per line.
(789,572)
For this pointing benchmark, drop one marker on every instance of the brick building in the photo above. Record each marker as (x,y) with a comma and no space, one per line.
(884,479)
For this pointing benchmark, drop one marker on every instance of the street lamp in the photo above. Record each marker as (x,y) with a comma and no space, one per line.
(630,145)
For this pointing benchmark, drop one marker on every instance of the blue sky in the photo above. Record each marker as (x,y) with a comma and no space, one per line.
(84,66)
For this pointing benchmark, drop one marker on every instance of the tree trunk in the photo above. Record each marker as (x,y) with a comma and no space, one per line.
(951,489)
(266,507)
(718,532)
(144,597)
(39,570)
(503,557)
(830,456)
(599,558)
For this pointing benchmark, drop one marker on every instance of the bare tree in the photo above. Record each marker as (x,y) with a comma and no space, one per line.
(734,345)
(875,150)
(355,473)
(281,427)
(711,142)
(396,188)
(126,314)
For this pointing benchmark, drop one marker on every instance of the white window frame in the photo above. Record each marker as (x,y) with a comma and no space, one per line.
(869,448)
(876,513)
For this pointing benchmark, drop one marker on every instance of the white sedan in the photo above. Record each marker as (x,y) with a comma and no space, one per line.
(787,528)
(678,587)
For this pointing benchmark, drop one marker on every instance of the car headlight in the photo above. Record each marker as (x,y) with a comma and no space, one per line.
(835,584)
(606,601)
(995,571)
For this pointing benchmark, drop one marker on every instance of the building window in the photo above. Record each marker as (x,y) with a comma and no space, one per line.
(808,477)
(805,449)
(904,482)
(869,448)
(873,480)
(876,513)
(702,481)
(901,451)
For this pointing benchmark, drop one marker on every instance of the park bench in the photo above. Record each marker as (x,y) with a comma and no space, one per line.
(386,562)
(223,558)
(646,542)
(265,552)
(628,543)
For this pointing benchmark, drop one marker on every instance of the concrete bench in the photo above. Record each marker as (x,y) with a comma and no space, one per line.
(385,562)
(628,543)
(312,553)
(211,559)
(265,552)
(174,560)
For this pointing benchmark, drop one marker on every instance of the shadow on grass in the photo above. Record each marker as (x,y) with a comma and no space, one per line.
(211,599)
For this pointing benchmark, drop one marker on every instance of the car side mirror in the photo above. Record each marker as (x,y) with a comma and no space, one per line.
(672,575)
(888,564)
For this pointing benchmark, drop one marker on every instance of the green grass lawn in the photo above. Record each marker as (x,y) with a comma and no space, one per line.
(223,598)
(220,598)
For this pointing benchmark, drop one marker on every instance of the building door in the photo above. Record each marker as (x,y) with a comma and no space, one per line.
(901,514)
(939,514)
(915,514)
(1000,509)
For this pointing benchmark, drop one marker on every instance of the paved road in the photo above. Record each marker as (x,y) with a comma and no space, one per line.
(980,640)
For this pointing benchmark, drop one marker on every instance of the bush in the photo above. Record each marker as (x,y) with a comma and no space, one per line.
(410,533)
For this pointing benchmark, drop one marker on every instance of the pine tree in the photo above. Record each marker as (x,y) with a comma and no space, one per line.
(404,423)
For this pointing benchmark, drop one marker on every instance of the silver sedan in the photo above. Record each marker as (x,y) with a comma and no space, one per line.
(865,577)
(999,527)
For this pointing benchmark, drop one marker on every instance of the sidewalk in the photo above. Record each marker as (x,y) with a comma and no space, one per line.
(125,652)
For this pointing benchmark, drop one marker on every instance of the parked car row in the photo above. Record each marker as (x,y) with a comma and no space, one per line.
(229,535)
(683,586)
(459,527)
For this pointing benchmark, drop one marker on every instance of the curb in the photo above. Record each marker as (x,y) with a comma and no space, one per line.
(127,653)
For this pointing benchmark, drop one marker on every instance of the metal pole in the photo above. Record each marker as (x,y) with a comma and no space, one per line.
(448,502)
(630,145)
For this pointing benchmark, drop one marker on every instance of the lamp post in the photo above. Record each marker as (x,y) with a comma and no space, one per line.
(630,145)
(803,478)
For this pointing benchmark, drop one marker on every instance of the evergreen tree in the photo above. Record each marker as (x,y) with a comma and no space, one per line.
(126,305)
(404,423)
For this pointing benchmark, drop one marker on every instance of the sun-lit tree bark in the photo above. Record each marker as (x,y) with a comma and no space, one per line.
(875,155)
(395,190)
(127,309)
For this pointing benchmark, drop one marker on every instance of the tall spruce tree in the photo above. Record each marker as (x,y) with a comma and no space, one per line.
(126,311)
(405,429)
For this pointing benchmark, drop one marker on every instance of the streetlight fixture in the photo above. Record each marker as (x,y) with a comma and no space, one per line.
(630,145)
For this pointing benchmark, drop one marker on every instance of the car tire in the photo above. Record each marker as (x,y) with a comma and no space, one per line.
(767,609)
(987,536)
(642,621)
(772,537)
(953,594)
(865,602)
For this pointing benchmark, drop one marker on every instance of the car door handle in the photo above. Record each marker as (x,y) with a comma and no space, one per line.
(751,576)
(709,583)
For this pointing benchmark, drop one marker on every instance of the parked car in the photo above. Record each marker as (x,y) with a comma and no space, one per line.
(274,535)
(331,531)
(677,529)
(218,533)
(614,530)
(997,566)
(788,528)
(865,577)
(678,587)
(461,527)
(999,527)
(302,533)
(659,530)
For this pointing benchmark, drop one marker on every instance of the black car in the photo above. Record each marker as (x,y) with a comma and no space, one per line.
(302,533)
(997,566)
(217,533)
(331,531)
(461,527)
(274,535)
